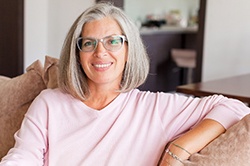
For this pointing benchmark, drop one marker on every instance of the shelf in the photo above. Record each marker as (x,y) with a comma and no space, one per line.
(168,29)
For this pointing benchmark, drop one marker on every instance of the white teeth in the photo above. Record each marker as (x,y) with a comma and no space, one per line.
(102,65)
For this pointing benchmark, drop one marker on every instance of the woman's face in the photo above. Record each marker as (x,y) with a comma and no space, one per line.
(103,67)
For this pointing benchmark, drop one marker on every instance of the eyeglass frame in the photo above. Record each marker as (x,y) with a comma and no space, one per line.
(123,37)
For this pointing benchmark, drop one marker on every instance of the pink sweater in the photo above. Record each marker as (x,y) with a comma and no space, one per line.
(59,130)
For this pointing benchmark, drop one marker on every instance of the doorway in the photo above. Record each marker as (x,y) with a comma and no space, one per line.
(11,37)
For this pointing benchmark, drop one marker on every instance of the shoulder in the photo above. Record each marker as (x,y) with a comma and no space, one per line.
(53,99)
(148,94)
(53,95)
(152,97)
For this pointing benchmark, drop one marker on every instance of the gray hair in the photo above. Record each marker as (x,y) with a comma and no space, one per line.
(72,78)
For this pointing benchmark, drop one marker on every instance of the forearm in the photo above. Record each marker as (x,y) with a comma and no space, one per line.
(192,141)
(200,136)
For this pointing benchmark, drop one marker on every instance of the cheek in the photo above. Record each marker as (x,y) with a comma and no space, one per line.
(126,53)
(83,60)
(123,54)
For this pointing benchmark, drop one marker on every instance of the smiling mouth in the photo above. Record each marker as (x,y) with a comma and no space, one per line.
(102,65)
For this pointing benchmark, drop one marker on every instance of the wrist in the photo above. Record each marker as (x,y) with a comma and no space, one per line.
(179,150)
(174,155)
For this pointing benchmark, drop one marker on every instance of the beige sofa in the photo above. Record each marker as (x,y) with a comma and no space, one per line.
(16,94)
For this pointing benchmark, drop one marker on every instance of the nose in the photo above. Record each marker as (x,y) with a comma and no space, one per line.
(100,50)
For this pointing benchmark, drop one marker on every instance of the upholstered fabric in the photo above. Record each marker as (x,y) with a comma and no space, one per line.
(3,78)
(230,149)
(51,72)
(16,94)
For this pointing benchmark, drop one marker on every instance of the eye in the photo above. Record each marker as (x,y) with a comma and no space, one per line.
(114,41)
(88,43)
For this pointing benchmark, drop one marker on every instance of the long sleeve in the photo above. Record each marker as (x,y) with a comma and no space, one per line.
(188,111)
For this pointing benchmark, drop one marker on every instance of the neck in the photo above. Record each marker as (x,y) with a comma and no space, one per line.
(100,98)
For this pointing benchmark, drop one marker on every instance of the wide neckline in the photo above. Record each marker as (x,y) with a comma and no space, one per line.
(107,108)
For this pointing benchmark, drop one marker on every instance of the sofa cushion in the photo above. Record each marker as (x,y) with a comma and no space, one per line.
(51,72)
(4,78)
(16,95)
(231,148)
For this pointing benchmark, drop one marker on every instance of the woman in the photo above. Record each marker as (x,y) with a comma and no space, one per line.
(98,117)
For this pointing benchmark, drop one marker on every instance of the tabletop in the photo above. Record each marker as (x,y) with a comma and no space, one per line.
(237,87)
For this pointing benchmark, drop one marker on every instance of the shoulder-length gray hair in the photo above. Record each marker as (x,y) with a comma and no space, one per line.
(72,78)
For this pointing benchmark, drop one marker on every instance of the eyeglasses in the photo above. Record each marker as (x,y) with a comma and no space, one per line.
(110,43)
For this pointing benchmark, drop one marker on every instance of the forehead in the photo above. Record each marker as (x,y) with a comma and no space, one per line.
(101,27)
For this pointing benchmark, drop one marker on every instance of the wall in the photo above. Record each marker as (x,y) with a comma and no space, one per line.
(227,38)
(46,24)
(138,9)
(35,30)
